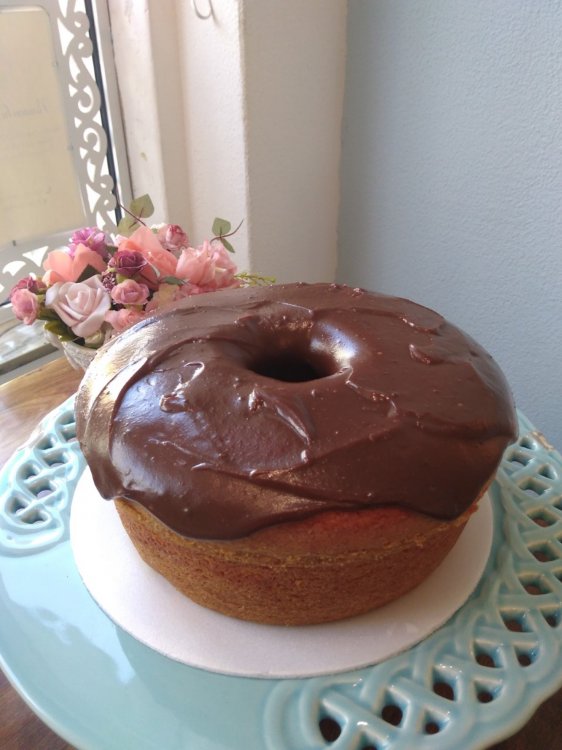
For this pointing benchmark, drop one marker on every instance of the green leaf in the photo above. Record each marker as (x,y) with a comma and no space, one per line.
(171,280)
(46,314)
(87,273)
(139,208)
(59,329)
(227,245)
(127,225)
(142,207)
(221,227)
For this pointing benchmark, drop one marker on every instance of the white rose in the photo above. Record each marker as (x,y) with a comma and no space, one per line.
(81,305)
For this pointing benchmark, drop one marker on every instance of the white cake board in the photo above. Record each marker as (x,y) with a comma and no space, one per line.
(150,609)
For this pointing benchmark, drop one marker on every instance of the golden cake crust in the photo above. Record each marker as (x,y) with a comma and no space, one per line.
(320,569)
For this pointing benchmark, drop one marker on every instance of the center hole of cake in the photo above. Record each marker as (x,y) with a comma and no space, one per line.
(288,368)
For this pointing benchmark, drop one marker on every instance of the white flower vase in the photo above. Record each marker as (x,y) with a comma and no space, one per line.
(78,356)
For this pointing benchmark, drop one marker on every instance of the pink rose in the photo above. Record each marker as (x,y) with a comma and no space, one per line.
(129,292)
(29,282)
(61,266)
(25,305)
(128,262)
(82,306)
(125,318)
(196,265)
(172,237)
(207,266)
(145,242)
(225,268)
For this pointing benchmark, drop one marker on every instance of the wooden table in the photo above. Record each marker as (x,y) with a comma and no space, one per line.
(23,402)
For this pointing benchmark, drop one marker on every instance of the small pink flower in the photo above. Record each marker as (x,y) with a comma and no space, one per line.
(109,280)
(207,266)
(172,237)
(119,320)
(129,292)
(61,266)
(29,282)
(92,238)
(128,262)
(82,306)
(25,305)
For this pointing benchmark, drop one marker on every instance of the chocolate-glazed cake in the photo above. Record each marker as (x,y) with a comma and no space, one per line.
(294,454)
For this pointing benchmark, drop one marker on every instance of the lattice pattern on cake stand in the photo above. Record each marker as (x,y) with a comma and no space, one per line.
(35,501)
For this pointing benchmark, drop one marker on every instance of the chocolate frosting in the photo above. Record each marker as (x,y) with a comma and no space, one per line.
(245,408)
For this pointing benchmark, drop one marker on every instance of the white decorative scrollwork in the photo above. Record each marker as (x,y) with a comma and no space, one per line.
(89,139)
(93,158)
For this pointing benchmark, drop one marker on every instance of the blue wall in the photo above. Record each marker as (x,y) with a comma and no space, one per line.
(452,175)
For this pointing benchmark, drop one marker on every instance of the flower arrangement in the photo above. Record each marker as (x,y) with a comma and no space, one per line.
(100,285)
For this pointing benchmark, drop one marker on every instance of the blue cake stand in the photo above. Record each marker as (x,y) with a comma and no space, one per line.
(473,682)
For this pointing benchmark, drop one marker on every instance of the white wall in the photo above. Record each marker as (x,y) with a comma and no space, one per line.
(212,94)
(294,71)
(148,72)
(452,175)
